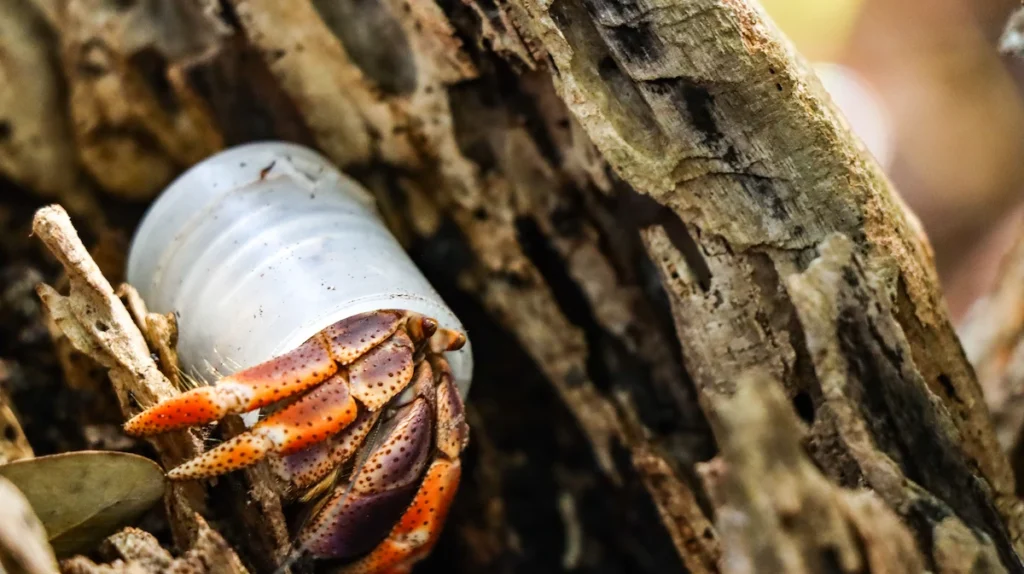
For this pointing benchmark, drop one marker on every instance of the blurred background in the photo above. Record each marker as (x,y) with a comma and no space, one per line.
(923,83)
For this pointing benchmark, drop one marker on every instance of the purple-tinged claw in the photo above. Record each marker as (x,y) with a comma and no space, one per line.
(352,523)
(385,485)
(401,458)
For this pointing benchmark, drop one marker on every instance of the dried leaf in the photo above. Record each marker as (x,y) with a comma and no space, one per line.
(23,547)
(83,497)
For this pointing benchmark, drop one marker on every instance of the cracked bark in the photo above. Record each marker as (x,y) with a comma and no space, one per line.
(631,207)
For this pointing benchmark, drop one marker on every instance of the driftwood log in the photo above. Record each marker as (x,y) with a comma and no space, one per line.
(709,336)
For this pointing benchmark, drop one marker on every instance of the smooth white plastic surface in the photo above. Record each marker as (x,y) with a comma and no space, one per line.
(259,247)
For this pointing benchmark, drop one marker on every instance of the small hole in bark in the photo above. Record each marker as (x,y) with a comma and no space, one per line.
(947,385)
(94,59)
(10,434)
(102,327)
(152,67)
(804,406)
(5,129)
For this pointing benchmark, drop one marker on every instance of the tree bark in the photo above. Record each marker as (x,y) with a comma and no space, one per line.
(634,208)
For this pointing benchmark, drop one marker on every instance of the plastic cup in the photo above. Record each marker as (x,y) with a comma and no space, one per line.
(259,247)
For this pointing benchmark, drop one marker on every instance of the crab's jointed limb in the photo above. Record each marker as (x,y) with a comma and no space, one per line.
(408,480)
(351,377)
(416,532)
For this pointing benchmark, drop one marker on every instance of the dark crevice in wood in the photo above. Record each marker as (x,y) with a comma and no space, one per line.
(243,97)
(615,216)
(522,416)
(804,407)
(374,40)
(923,515)
(151,66)
(695,102)
(643,211)
(610,364)
(575,306)
(904,424)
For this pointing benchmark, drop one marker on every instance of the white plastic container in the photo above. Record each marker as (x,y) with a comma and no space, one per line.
(259,247)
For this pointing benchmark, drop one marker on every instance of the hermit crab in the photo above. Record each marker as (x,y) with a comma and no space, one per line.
(346,376)
(282,274)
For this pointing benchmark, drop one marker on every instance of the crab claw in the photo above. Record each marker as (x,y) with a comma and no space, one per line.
(253,388)
(416,533)
(343,343)
(354,519)
(408,483)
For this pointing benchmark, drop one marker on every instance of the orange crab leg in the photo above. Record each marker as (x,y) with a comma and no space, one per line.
(281,377)
(417,531)
(250,389)
(323,412)
(306,467)
(375,378)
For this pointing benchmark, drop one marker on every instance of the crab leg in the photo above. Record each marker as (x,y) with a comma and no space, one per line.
(252,388)
(354,519)
(374,379)
(412,539)
(416,532)
(323,412)
(284,376)
(304,468)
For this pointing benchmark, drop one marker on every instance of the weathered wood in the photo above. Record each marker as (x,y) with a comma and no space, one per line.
(703,106)
(778,513)
(993,336)
(100,326)
(630,205)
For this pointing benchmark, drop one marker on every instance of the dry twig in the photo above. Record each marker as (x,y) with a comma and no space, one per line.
(99,325)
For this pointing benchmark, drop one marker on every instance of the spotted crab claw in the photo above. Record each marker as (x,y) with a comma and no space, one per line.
(403,490)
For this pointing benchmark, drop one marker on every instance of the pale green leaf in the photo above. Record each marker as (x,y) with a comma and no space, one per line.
(83,497)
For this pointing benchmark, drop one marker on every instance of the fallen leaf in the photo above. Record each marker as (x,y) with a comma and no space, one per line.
(83,497)
(23,547)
